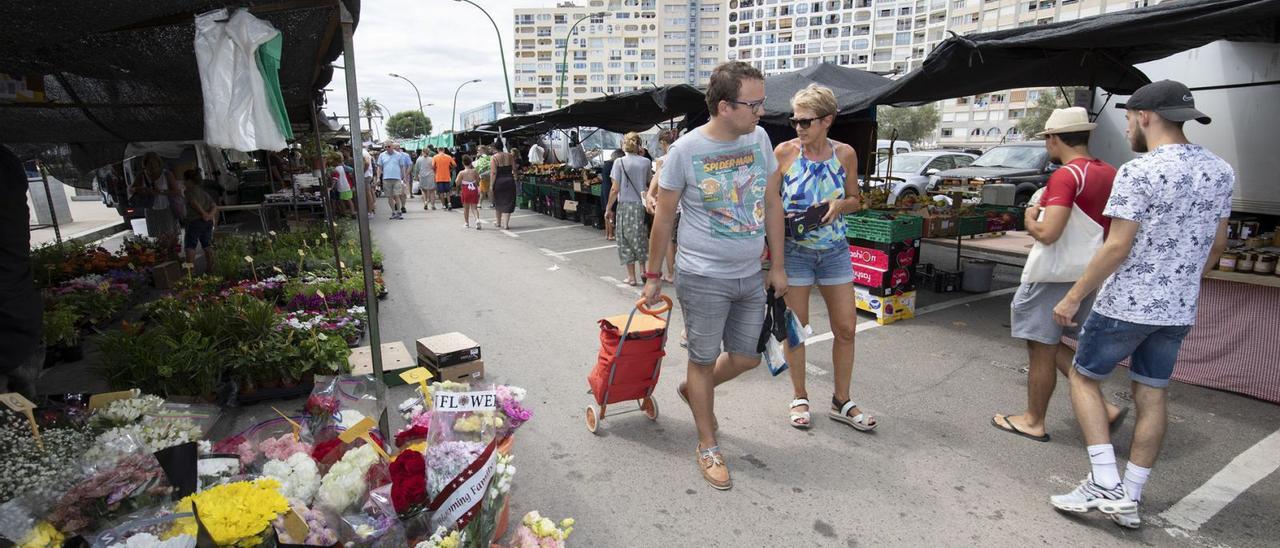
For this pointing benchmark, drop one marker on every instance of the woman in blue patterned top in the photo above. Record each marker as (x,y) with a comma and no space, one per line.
(819,187)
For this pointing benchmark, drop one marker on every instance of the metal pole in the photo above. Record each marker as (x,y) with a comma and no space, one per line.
(48,196)
(362,203)
(564,64)
(415,92)
(502,55)
(453,118)
(328,211)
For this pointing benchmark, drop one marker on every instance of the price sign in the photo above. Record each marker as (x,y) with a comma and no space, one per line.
(21,404)
(98,401)
(296,526)
(361,432)
(418,375)
(297,428)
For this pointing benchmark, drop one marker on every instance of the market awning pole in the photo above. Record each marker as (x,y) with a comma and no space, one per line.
(362,204)
(328,210)
(48,196)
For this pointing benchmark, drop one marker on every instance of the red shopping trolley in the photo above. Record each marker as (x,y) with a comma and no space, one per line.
(629,361)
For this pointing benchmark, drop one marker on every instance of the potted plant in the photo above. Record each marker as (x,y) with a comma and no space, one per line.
(62,335)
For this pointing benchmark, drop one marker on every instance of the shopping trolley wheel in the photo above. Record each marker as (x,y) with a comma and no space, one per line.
(650,408)
(592,419)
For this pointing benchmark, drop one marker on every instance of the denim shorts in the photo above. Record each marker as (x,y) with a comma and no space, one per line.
(729,311)
(806,266)
(1152,349)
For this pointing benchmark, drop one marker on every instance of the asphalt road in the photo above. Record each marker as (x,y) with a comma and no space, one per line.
(934,473)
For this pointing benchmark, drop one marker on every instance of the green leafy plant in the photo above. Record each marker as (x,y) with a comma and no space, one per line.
(61,327)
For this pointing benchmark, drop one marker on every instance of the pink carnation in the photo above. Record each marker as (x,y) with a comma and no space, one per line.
(283,447)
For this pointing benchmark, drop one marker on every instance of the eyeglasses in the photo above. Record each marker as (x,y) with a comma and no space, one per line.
(753,105)
(803,123)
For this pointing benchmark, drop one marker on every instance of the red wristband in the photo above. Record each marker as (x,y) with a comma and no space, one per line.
(652,275)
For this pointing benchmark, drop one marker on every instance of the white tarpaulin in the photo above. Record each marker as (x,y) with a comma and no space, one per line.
(236,112)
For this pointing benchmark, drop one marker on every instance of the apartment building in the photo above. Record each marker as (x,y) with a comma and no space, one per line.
(616,46)
(893,37)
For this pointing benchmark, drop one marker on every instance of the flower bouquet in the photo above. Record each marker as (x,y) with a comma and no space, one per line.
(298,476)
(235,514)
(461,455)
(320,532)
(133,482)
(125,412)
(536,531)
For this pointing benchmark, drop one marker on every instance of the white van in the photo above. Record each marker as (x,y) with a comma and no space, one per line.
(899,146)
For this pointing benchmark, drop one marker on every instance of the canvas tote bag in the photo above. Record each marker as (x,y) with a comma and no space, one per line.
(1065,260)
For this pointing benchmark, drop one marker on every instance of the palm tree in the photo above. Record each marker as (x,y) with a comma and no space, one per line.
(370,107)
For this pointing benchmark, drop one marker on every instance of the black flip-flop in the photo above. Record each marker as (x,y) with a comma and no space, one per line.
(1115,424)
(1014,430)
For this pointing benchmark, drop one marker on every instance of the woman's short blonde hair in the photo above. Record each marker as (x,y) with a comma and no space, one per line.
(631,143)
(820,99)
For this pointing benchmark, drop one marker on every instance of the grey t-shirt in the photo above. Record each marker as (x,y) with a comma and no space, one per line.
(722,186)
(631,175)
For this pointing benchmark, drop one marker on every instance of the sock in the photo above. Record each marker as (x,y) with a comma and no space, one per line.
(1103,459)
(1135,477)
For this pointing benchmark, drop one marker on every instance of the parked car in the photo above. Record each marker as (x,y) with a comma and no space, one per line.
(1025,165)
(917,169)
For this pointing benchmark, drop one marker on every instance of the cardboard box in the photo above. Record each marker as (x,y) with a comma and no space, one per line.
(885,256)
(884,282)
(886,309)
(448,349)
(463,372)
(395,360)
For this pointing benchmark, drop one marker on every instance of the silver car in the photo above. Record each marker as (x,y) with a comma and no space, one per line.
(916,169)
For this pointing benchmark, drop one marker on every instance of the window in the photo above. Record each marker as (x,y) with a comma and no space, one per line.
(957,4)
(993,132)
(1016,113)
(946,131)
(940,163)
(962,100)
(976,132)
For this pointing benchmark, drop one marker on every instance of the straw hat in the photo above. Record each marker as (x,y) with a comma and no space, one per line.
(1067,120)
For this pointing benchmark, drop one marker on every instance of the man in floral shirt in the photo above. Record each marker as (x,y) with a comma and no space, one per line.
(1169,211)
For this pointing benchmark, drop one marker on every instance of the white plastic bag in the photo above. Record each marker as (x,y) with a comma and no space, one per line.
(1067,258)
(236,112)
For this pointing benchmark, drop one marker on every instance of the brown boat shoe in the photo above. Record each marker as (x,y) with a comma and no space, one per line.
(713,468)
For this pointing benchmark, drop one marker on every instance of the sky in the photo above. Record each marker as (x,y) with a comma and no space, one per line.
(437,44)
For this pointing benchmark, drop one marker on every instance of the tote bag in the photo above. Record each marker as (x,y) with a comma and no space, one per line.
(1065,260)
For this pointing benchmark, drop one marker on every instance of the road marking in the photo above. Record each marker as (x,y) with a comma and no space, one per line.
(510,233)
(546,228)
(549,252)
(525,215)
(871,324)
(813,369)
(1236,477)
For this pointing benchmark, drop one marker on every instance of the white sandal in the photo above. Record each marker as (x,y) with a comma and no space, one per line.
(798,416)
(861,422)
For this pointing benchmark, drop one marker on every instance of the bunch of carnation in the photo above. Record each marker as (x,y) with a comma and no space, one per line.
(345,483)
(298,476)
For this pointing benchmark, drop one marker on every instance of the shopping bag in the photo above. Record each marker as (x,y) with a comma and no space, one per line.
(1066,259)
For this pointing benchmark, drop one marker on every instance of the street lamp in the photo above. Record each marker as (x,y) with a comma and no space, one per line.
(453,119)
(415,91)
(511,104)
(564,64)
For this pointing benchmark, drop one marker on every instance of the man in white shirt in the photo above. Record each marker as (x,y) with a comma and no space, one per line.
(424,174)
(395,165)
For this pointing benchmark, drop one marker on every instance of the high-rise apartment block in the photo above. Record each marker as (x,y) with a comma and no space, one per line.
(621,45)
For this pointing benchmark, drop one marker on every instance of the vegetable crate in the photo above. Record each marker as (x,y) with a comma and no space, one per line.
(886,309)
(972,225)
(883,226)
(1001,218)
(937,279)
(630,358)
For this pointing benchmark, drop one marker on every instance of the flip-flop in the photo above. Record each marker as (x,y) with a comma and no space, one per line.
(1014,430)
(1115,424)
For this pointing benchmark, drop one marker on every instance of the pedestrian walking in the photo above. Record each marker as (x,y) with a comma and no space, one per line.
(424,174)
(201,212)
(665,138)
(1169,211)
(442,166)
(1066,221)
(395,166)
(606,187)
(819,182)
(343,182)
(371,190)
(469,187)
(153,191)
(719,173)
(630,173)
(503,182)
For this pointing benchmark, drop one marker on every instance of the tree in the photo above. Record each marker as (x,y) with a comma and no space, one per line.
(912,123)
(370,107)
(408,124)
(1033,122)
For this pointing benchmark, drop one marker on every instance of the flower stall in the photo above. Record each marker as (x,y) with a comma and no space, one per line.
(139,472)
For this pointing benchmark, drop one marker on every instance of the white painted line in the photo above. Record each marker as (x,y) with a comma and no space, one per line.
(813,369)
(525,215)
(1236,477)
(547,228)
(871,324)
(552,254)
(611,246)
(510,233)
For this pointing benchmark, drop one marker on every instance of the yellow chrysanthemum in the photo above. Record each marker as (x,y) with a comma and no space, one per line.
(44,535)
(235,514)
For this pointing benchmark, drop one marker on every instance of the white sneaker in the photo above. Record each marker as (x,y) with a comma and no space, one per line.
(1128,519)
(1089,495)
(477,225)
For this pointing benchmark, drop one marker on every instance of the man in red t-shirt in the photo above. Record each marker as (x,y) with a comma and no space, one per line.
(1082,181)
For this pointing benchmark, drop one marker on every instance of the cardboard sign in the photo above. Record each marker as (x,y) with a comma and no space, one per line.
(297,428)
(418,375)
(98,401)
(361,432)
(460,402)
(296,526)
(17,402)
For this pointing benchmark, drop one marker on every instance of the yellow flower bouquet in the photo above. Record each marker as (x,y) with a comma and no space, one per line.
(235,514)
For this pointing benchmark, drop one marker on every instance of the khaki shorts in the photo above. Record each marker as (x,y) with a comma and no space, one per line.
(1031,313)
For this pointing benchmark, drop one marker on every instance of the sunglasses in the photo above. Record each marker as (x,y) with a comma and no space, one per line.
(803,123)
(753,105)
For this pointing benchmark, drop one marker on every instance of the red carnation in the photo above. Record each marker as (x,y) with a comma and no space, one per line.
(408,480)
(410,435)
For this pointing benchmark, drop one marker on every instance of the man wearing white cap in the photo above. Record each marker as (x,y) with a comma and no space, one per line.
(1067,223)
(1169,211)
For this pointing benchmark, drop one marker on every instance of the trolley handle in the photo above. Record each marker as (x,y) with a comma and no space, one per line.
(666,307)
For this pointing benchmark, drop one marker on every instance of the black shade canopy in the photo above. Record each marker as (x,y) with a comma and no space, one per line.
(119,71)
(855,90)
(630,111)
(1097,50)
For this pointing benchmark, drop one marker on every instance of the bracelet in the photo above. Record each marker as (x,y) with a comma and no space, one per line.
(652,275)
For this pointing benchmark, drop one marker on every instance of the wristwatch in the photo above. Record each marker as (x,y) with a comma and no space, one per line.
(652,275)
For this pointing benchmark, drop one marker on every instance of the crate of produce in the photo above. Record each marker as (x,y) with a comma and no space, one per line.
(937,279)
(883,283)
(1001,218)
(882,226)
(970,225)
(886,309)
(884,256)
